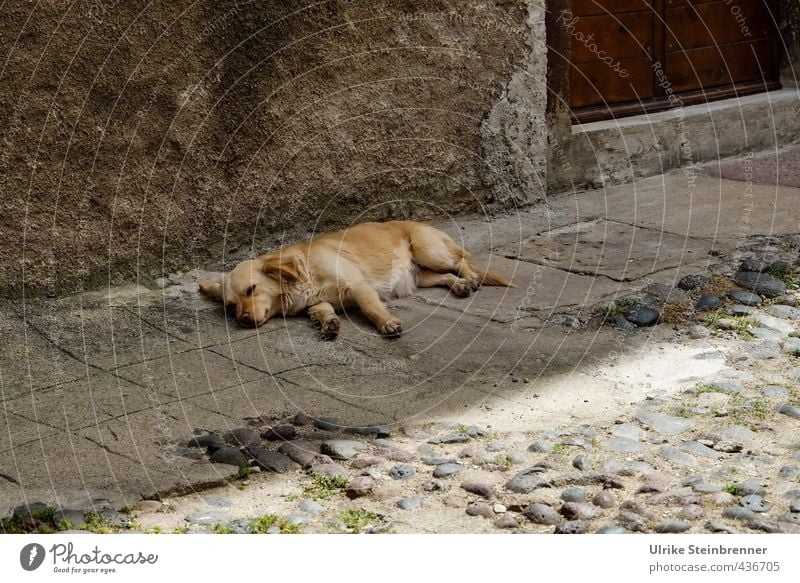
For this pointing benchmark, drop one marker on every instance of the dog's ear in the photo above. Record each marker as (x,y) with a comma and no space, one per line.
(288,270)
(213,289)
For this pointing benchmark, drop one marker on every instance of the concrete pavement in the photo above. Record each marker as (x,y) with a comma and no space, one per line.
(100,391)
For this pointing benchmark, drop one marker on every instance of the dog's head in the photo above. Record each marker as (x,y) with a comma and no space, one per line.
(257,287)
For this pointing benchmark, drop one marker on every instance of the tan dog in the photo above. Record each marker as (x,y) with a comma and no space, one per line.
(357,267)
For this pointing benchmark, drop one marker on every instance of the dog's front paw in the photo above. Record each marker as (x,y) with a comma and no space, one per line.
(391,327)
(474,282)
(329,329)
(461,288)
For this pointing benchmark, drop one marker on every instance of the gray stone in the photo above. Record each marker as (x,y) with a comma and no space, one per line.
(766,334)
(629,431)
(438,461)
(623,445)
(211,441)
(754,264)
(604,499)
(359,486)
(378,430)
(794,506)
(475,431)
(642,316)
(229,455)
(301,419)
(790,411)
(506,521)
(755,486)
(697,448)
(478,486)
(620,324)
(581,462)
(613,530)
(279,433)
(30,509)
(707,303)
(527,480)
(772,323)
(692,282)
(775,392)
(760,283)
(66,516)
(451,438)
(330,470)
(789,472)
(542,447)
(792,517)
(327,423)
(574,495)
(677,457)
(741,309)
(706,488)
(754,502)
(784,312)
(542,514)
(580,511)
(792,346)
(745,298)
(719,526)
(303,452)
(727,387)
(572,527)
(738,513)
(691,512)
(311,506)
(243,436)
(401,472)
(632,521)
(342,449)
(738,433)
(208,518)
(447,469)
(495,446)
(272,461)
(480,509)
(410,503)
(665,424)
(673,526)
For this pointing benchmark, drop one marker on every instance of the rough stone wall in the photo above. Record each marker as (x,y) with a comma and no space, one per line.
(142,137)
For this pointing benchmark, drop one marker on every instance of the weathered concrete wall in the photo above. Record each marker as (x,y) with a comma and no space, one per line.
(139,137)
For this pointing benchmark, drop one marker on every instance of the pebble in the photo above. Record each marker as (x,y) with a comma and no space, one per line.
(330,470)
(691,512)
(273,461)
(542,514)
(706,488)
(447,469)
(506,521)
(789,472)
(581,462)
(772,323)
(707,303)
(211,441)
(386,492)
(784,312)
(692,282)
(755,486)
(698,331)
(790,411)
(410,503)
(740,310)
(655,482)
(359,486)
(342,449)
(744,298)
(379,431)
(620,324)
(761,283)
(792,346)
(311,506)
(794,506)
(301,419)
(499,508)
(775,392)
(279,433)
(721,499)
(642,316)
(665,424)
(719,526)
(243,436)
(604,499)
(578,495)
(677,456)
(629,431)
(327,424)
(480,509)
(754,502)
(623,445)
(572,527)
(399,455)
(632,521)
(402,472)
(478,486)
(579,511)
(542,447)
(208,518)
(229,455)
(451,438)
(638,507)
(303,452)
(365,461)
(435,486)
(613,530)
(696,448)
(672,526)
(526,480)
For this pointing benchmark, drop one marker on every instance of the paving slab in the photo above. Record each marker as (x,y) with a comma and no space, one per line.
(619,251)
(773,167)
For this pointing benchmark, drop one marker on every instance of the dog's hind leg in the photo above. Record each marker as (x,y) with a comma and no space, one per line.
(373,308)
(323,314)
(459,286)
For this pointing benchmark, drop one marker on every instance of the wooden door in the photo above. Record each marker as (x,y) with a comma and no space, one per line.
(633,56)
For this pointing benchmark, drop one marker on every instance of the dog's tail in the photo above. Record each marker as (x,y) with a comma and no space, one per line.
(489,278)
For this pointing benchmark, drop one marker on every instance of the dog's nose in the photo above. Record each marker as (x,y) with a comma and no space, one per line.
(246,319)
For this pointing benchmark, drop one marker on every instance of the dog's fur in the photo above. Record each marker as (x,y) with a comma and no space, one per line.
(357,267)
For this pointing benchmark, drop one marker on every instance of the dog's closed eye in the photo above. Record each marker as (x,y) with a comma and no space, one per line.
(250,290)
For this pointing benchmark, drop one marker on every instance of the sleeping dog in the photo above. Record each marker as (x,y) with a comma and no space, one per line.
(357,267)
